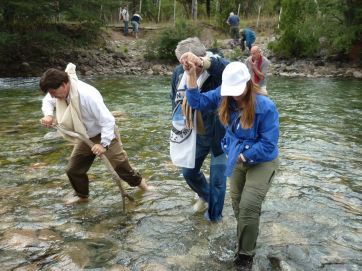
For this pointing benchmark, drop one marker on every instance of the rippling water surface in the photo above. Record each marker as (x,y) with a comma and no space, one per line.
(311,219)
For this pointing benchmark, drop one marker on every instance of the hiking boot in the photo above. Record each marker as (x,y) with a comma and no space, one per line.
(200,206)
(243,262)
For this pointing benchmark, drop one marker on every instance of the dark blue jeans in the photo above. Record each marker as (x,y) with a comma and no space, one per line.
(213,191)
(125,28)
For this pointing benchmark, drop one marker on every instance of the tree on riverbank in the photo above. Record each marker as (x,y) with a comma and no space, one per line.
(31,29)
(320,28)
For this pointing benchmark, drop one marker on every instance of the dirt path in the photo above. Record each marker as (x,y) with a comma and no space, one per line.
(137,47)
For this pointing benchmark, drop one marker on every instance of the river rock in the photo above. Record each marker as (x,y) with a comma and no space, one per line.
(25,66)
(319,62)
(52,135)
(77,255)
(119,55)
(357,74)
(4,210)
(18,239)
(27,267)
(48,235)
(118,114)
(88,73)
(43,150)
(118,267)
(157,69)
(153,267)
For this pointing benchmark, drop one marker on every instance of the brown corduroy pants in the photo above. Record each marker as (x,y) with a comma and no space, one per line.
(82,158)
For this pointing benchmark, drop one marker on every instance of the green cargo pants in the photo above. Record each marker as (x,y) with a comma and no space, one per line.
(248,187)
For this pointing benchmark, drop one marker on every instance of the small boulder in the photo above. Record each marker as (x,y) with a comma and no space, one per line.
(357,74)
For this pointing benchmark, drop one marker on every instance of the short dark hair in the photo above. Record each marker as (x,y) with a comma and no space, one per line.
(52,79)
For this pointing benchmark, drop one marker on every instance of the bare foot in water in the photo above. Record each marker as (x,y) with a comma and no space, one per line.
(75,199)
(145,187)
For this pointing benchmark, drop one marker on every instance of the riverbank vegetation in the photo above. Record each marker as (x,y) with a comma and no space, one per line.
(36,32)
(319,27)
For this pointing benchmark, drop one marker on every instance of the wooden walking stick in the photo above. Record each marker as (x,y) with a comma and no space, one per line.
(104,159)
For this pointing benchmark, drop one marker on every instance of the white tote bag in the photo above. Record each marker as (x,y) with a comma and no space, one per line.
(182,140)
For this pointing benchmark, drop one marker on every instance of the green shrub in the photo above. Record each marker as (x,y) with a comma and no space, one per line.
(299,30)
(79,34)
(324,27)
(8,44)
(164,45)
(215,44)
(237,54)
(47,40)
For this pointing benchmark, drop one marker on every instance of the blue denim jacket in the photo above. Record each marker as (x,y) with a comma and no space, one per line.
(214,130)
(257,144)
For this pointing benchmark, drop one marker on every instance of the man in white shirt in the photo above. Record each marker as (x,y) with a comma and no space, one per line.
(84,108)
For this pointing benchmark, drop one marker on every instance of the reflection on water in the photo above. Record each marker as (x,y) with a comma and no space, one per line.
(311,218)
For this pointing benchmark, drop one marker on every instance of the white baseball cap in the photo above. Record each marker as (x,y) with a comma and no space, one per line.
(234,79)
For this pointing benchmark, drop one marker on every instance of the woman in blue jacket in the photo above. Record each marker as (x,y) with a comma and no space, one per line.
(250,143)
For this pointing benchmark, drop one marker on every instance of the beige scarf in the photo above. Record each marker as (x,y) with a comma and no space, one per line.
(69,116)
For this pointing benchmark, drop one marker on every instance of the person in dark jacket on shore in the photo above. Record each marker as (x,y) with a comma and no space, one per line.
(234,21)
(135,22)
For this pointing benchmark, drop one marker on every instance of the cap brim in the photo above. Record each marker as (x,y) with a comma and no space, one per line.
(232,90)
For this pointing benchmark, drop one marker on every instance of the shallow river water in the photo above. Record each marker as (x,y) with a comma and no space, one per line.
(311,218)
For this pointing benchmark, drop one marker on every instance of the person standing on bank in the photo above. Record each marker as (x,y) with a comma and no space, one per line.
(258,66)
(234,21)
(124,16)
(208,72)
(136,21)
(80,108)
(250,143)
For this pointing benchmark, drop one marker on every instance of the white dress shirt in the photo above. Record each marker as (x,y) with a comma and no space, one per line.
(96,117)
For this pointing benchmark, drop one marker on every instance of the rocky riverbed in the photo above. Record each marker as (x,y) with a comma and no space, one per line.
(125,55)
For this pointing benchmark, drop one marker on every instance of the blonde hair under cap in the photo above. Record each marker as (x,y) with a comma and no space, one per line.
(192,45)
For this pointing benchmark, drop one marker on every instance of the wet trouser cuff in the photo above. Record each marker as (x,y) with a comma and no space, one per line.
(81,195)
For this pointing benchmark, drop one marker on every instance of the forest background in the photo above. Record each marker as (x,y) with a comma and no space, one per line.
(37,31)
